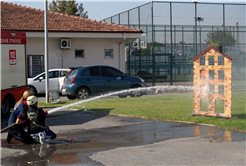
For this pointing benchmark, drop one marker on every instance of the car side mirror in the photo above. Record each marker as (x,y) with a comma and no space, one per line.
(123,76)
(40,79)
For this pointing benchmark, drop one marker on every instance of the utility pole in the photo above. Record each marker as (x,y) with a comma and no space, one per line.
(46,50)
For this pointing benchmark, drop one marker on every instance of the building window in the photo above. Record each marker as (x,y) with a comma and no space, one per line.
(211,60)
(211,89)
(108,53)
(202,74)
(35,65)
(221,74)
(211,74)
(221,89)
(79,53)
(203,89)
(219,106)
(202,60)
(220,60)
(203,105)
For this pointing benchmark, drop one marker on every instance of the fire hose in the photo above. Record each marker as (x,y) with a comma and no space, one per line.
(3,130)
(50,111)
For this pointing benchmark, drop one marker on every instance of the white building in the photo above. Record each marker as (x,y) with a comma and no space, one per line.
(91,42)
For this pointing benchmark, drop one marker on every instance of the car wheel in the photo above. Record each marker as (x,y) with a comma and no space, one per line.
(5,107)
(123,95)
(34,91)
(135,93)
(82,93)
(71,97)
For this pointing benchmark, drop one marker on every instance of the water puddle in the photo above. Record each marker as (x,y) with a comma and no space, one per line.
(215,135)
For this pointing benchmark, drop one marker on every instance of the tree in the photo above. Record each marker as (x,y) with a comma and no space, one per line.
(68,7)
(58,6)
(217,38)
(72,8)
(81,11)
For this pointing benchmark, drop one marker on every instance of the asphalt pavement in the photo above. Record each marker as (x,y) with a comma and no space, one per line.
(88,138)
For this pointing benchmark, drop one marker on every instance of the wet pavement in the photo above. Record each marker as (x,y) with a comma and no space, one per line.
(86,138)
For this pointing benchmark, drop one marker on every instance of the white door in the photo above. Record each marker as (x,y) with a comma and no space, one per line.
(54,81)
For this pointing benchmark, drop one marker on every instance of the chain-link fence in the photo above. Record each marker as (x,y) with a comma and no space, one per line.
(176,32)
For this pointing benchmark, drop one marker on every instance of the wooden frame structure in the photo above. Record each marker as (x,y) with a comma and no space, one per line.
(212,83)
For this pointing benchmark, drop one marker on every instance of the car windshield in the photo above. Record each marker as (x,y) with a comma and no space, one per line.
(72,72)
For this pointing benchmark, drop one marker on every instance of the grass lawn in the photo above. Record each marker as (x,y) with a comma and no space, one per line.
(167,107)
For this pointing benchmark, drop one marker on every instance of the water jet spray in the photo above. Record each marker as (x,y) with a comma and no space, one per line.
(141,90)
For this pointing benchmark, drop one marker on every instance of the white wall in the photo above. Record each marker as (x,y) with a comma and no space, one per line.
(93,48)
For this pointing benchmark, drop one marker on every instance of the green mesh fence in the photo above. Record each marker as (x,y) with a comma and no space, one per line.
(176,32)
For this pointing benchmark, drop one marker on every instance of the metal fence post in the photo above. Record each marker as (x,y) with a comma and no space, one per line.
(139,43)
(129,49)
(223,28)
(171,58)
(153,55)
(119,19)
(128,20)
(196,28)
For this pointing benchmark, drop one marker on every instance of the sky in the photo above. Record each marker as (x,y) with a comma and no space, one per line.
(101,9)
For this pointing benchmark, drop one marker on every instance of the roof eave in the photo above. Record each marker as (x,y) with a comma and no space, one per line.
(29,30)
(209,48)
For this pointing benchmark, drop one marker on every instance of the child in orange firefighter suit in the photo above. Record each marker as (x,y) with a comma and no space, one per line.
(37,119)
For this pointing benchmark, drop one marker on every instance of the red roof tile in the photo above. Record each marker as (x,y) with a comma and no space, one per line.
(208,49)
(22,18)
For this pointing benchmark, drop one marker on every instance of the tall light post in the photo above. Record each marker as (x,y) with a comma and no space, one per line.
(195,1)
(199,19)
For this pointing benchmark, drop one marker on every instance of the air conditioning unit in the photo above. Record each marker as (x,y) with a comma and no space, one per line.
(65,43)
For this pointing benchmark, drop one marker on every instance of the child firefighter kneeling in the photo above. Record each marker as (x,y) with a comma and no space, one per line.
(37,119)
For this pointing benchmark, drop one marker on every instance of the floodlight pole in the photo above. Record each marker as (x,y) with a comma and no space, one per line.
(46,50)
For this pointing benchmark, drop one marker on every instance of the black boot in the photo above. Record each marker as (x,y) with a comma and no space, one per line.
(9,137)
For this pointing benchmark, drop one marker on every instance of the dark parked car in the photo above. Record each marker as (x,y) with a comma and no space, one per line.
(82,81)
(140,73)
